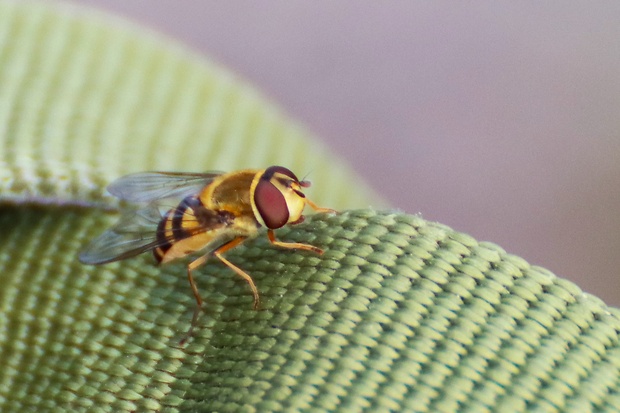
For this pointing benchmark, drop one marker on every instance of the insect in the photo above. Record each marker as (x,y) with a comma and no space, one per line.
(216,212)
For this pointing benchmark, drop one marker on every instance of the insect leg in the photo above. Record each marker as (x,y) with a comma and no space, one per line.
(292,245)
(230,245)
(200,261)
(192,266)
(318,208)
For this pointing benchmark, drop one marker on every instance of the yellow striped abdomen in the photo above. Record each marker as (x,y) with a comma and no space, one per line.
(189,228)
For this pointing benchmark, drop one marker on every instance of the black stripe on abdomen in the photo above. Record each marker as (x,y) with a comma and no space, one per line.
(189,203)
(188,219)
(162,240)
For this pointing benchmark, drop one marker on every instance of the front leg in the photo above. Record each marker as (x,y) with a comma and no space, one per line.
(292,245)
(318,208)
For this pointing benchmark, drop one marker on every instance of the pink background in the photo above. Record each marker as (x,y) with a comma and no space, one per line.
(499,119)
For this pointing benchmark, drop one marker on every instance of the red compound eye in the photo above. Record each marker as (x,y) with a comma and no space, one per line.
(271,204)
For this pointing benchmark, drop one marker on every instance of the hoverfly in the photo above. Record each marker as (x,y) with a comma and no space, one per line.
(217,212)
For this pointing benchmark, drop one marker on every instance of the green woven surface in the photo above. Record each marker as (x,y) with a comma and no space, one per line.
(85,99)
(399,314)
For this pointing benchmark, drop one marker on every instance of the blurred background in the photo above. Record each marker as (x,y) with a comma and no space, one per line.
(499,119)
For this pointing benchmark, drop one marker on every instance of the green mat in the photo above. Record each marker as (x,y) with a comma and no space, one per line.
(399,314)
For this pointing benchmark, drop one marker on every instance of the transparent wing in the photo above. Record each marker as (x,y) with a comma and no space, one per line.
(135,233)
(151,186)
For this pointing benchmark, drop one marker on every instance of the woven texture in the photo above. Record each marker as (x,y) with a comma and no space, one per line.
(86,99)
(398,314)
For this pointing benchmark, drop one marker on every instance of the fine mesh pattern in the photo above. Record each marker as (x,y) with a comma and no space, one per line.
(399,314)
